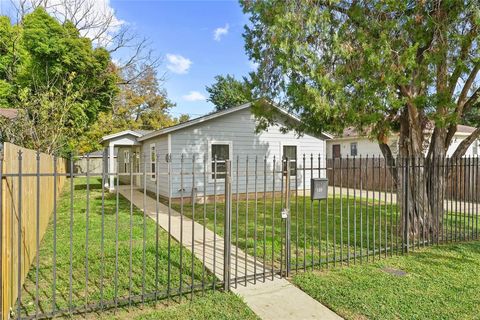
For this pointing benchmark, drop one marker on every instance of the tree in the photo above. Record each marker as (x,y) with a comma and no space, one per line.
(229,92)
(97,21)
(383,65)
(55,76)
(140,104)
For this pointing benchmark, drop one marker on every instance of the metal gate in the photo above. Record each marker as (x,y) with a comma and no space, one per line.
(258,216)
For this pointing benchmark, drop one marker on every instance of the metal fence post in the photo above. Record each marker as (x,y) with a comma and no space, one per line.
(287,221)
(227,226)
(406,226)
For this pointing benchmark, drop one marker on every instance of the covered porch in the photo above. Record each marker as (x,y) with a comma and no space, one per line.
(128,149)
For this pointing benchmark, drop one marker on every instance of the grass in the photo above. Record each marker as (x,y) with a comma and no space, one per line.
(441,282)
(309,230)
(349,228)
(143,263)
(212,305)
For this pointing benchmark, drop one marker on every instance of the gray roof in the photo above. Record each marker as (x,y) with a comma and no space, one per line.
(214,115)
(142,132)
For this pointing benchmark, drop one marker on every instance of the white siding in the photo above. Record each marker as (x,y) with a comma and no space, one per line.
(238,129)
(364,147)
(368,147)
(161,149)
(457,139)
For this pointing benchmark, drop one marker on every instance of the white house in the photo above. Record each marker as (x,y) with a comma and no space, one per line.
(351,143)
(227,135)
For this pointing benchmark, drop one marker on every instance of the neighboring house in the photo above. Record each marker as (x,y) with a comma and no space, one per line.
(8,113)
(351,143)
(226,134)
(7,117)
(92,161)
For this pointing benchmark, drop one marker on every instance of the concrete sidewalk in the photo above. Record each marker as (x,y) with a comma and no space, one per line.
(460,206)
(273,299)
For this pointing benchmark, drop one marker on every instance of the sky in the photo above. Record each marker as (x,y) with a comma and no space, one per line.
(196,41)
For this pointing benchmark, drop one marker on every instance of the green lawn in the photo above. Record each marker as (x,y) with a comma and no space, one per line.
(142,270)
(355,227)
(216,305)
(439,283)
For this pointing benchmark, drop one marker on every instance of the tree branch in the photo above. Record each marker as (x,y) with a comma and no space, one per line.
(470,36)
(465,109)
(463,146)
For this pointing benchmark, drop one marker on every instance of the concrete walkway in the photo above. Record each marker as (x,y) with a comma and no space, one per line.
(277,299)
(460,206)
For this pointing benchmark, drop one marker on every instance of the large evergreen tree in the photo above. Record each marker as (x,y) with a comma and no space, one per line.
(383,65)
(229,92)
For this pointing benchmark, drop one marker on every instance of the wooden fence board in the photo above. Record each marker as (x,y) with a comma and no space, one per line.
(10,213)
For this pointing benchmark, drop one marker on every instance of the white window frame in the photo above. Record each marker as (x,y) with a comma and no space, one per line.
(282,145)
(210,158)
(153,161)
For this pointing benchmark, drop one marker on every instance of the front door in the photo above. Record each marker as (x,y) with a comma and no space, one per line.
(137,178)
(336,151)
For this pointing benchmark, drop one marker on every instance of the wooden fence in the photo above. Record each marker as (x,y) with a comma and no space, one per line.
(12,197)
(462,185)
(350,173)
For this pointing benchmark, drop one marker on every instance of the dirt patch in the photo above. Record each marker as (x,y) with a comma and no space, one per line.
(394,271)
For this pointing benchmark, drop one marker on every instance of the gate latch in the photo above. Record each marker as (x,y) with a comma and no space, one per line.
(285,213)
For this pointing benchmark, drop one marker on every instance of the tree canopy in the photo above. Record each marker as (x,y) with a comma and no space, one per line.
(382,65)
(68,91)
(59,81)
(229,92)
(140,104)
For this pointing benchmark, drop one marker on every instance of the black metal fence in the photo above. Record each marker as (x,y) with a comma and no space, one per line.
(205,224)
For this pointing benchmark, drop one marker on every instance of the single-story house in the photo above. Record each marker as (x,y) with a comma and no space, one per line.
(224,135)
(352,143)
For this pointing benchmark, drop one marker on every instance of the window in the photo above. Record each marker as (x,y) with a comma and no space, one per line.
(153,160)
(353,149)
(475,148)
(126,160)
(220,152)
(290,153)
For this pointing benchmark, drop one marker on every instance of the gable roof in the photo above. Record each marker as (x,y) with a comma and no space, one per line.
(215,115)
(461,128)
(136,133)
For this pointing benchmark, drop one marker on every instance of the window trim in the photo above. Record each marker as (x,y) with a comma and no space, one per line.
(153,162)
(210,158)
(296,159)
